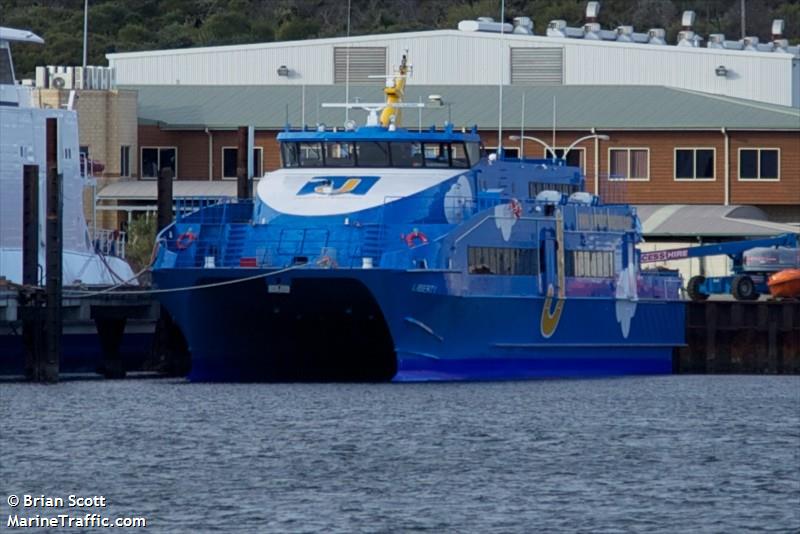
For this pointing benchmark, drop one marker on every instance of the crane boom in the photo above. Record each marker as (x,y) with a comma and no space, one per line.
(732,248)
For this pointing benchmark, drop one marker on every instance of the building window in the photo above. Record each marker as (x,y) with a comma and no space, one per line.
(508,152)
(589,264)
(156,158)
(694,163)
(508,261)
(124,160)
(628,163)
(759,164)
(575,157)
(230,156)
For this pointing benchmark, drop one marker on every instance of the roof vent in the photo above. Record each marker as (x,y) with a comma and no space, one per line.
(484,24)
(559,28)
(625,34)
(657,36)
(523,25)
(778,25)
(687,20)
(717,40)
(592,11)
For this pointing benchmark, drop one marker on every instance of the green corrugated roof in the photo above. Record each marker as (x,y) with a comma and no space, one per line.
(578,107)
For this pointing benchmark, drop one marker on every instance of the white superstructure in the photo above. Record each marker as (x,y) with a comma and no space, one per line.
(23,142)
(589,55)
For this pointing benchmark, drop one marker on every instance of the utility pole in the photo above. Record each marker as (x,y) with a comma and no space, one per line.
(744,18)
(85,31)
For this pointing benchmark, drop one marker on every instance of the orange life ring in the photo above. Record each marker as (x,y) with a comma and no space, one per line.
(185,240)
(416,234)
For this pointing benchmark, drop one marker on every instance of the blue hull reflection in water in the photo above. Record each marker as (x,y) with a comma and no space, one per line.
(636,454)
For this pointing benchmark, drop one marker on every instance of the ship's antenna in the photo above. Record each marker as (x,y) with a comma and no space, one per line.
(553,144)
(522,129)
(500,82)
(347,69)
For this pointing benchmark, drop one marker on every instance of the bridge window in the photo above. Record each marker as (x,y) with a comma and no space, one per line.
(436,155)
(505,261)
(406,154)
(310,154)
(372,154)
(340,154)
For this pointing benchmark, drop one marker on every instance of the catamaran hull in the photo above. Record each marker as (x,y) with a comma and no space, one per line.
(380,325)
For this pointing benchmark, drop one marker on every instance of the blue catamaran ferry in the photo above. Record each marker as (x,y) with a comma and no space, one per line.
(377,253)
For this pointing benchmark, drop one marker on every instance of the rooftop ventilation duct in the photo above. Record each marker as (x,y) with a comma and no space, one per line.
(592,11)
(687,20)
(717,40)
(484,24)
(778,25)
(559,28)
(657,36)
(625,34)
(523,25)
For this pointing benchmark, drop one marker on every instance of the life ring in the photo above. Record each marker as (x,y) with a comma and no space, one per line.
(416,234)
(516,208)
(185,240)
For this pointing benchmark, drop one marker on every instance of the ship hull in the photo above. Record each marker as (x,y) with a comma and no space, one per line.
(387,325)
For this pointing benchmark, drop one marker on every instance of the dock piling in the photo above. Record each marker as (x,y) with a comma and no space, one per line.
(164,202)
(30,296)
(242,179)
(53,257)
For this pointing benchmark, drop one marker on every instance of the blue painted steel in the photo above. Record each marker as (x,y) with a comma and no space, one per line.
(496,271)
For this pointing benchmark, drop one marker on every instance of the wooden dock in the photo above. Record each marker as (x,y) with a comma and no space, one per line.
(729,336)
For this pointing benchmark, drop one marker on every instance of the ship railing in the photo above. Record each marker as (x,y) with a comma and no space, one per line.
(211,209)
(109,242)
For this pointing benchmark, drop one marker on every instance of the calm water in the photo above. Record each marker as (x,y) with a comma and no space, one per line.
(672,454)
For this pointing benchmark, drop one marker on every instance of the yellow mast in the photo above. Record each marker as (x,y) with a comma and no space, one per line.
(394,94)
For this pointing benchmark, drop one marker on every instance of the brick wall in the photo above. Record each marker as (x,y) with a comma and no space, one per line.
(660,187)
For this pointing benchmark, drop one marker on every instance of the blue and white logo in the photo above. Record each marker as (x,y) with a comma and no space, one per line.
(338,185)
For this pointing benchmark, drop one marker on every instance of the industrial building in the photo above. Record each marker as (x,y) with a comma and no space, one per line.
(667,124)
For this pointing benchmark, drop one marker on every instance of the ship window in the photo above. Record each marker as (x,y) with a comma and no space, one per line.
(6,72)
(474,153)
(458,155)
(534,188)
(406,154)
(436,155)
(339,154)
(310,154)
(503,260)
(372,154)
(759,164)
(289,155)
(694,163)
(589,263)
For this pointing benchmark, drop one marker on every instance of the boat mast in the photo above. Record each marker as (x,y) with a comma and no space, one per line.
(394,94)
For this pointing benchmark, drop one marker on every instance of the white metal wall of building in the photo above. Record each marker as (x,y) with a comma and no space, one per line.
(447,57)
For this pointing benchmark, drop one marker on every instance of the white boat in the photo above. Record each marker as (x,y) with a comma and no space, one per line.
(22,142)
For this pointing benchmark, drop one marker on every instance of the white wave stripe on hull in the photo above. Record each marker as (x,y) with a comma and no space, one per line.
(280,190)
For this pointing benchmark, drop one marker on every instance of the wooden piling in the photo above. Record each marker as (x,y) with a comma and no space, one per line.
(53,256)
(164,203)
(31,301)
(242,178)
